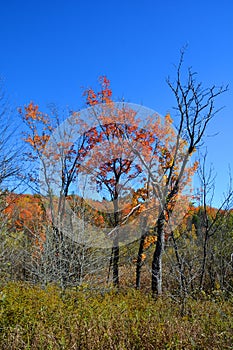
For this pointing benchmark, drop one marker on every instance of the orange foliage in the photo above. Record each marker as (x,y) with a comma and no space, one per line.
(149,240)
(110,154)
(102,96)
(39,125)
(26,213)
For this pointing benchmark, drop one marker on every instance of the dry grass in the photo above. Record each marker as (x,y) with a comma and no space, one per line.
(33,318)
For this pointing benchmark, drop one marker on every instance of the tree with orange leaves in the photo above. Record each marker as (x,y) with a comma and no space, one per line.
(157,157)
(61,149)
(112,170)
(165,154)
(111,165)
(56,157)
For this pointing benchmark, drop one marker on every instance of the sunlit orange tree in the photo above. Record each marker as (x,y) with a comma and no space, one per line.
(111,166)
(135,165)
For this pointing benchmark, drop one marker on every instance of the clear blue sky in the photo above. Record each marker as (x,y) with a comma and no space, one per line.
(50,49)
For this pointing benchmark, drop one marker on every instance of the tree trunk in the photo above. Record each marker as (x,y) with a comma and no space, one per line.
(156,281)
(139,261)
(203,268)
(115,262)
(115,246)
(183,289)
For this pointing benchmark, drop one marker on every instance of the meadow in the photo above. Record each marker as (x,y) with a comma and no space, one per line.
(35,318)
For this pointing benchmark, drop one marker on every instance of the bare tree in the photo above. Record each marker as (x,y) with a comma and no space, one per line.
(9,147)
(195,109)
(199,260)
(214,222)
(10,244)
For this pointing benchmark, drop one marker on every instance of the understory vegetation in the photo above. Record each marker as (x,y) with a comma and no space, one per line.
(36,318)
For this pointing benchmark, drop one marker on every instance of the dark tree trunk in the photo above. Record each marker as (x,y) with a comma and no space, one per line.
(115,247)
(156,282)
(139,261)
(115,262)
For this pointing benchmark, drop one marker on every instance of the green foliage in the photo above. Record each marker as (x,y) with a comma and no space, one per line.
(35,318)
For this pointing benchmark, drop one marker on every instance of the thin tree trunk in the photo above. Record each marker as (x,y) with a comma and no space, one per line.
(203,268)
(156,282)
(183,290)
(139,261)
(115,246)
(115,262)
(110,265)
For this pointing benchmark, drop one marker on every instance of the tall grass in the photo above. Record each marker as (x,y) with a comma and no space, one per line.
(36,318)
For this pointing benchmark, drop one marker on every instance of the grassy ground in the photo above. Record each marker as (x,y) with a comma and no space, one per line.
(33,318)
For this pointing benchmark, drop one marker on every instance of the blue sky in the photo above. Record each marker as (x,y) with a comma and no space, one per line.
(51,49)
